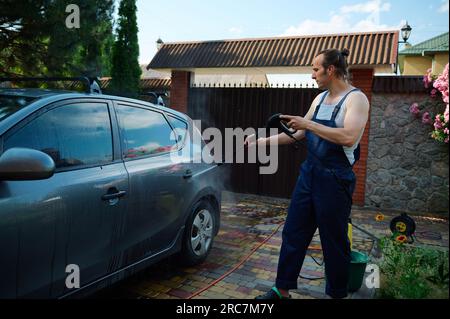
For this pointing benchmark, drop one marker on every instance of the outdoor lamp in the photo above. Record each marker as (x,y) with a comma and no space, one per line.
(159,43)
(406,32)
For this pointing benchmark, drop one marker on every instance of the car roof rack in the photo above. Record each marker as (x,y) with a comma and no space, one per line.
(90,84)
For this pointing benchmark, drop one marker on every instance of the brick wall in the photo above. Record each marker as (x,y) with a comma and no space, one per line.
(179,90)
(362,79)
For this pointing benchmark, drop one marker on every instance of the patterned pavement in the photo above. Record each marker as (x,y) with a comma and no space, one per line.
(243,261)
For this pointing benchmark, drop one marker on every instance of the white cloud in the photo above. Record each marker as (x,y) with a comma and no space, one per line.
(335,24)
(444,7)
(344,22)
(235,30)
(339,24)
(367,7)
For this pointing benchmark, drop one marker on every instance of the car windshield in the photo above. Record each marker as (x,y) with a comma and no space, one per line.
(10,104)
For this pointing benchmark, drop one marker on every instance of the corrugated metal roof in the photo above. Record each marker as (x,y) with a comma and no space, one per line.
(433,45)
(155,83)
(152,74)
(145,83)
(374,48)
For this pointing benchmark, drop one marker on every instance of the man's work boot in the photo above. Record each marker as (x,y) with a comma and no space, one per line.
(273,293)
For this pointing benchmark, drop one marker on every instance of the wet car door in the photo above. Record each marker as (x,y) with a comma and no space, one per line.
(69,218)
(159,183)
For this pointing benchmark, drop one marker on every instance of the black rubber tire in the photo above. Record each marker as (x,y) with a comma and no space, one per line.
(187,255)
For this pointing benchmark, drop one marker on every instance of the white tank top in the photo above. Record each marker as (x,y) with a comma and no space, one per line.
(326,112)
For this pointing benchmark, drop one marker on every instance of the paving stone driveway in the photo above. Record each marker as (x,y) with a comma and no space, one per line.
(247,222)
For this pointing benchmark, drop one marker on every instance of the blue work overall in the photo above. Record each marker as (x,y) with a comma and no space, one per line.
(320,200)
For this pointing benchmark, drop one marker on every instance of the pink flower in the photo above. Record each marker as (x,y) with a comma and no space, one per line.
(441,84)
(426,118)
(445,96)
(446,130)
(437,123)
(446,114)
(433,93)
(446,140)
(428,79)
(414,109)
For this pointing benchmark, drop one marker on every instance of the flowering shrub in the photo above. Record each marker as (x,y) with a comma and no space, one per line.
(436,85)
(441,84)
(428,79)
(411,272)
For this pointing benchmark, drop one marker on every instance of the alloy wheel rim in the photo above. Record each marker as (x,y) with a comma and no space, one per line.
(201,232)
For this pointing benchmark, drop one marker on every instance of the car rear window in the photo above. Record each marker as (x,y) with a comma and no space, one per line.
(10,104)
(180,128)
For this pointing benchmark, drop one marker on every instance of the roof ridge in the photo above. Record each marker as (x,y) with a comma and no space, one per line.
(283,37)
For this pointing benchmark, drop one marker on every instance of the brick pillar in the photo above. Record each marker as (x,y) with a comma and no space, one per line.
(362,79)
(179,90)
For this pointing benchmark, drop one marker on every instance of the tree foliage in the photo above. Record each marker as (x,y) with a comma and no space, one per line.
(125,70)
(35,41)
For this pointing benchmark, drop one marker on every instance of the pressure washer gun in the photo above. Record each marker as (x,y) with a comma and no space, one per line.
(276,122)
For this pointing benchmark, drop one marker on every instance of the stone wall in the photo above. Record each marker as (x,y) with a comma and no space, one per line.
(406,169)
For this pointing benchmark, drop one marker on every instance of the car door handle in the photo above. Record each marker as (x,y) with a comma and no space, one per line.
(187,174)
(114,195)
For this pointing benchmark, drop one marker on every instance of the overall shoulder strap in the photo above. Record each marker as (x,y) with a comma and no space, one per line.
(338,106)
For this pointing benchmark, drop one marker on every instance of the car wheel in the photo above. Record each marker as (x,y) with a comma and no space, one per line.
(199,234)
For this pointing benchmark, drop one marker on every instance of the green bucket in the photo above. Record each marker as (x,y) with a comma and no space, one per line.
(357,270)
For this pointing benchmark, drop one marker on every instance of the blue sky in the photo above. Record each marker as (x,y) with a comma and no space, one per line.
(200,20)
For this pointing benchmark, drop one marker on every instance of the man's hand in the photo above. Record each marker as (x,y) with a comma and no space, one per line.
(252,141)
(295,122)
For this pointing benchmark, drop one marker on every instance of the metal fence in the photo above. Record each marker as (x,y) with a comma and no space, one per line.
(398,84)
(232,107)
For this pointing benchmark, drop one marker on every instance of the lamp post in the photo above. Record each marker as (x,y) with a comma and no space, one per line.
(159,43)
(406,33)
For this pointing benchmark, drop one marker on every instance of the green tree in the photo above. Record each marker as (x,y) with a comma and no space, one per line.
(23,34)
(125,69)
(84,51)
(94,55)
(35,41)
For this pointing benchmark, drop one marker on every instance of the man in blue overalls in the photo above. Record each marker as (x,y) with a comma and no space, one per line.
(321,199)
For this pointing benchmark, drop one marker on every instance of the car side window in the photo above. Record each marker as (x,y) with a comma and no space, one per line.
(144,132)
(73,135)
(179,127)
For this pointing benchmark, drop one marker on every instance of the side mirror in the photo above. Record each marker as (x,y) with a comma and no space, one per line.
(22,164)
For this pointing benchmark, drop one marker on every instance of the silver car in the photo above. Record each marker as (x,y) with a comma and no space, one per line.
(94,188)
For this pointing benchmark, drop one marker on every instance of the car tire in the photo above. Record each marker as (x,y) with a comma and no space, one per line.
(199,234)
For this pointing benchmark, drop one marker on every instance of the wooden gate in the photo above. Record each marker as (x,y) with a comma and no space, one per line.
(232,107)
